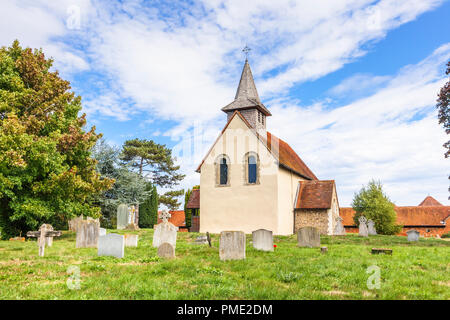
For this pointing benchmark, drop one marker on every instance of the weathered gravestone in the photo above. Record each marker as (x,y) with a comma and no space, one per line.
(42,235)
(262,240)
(371,228)
(232,245)
(87,233)
(101,232)
(75,222)
(131,240)
(122,216)
(111,244)
(165,231)
(363,230)
(201,240)
(308,237)
(413,235)
(166,250)
(339,229)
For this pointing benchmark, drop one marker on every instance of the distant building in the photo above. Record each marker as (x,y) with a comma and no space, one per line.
(177,218)
(430,218)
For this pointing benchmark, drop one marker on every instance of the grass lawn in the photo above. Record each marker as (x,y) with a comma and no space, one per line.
(414,271)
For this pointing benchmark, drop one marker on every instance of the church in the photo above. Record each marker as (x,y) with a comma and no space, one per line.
(250,179)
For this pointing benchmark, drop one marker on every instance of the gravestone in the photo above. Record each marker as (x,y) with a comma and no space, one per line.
(101,232)
(42,236)
(122,216)
(262,240)
(339,229)
(201,240)
(49,239)
(371,228)
(87,233)
(381,251)
(165,232)
(323,249)
(308,237)
(111,244)
(74,223)
(131,240)
(413,235)
(166,250)
(363,230)
(232,245)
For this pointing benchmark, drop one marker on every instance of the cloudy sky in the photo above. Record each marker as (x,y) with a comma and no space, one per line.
(351,84)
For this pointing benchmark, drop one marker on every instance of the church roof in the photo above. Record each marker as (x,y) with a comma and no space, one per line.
(430,202)
(315,194)
(194,200)
(286,156)
(246,94)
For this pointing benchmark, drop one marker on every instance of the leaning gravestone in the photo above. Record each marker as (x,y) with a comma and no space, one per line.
(111,244)
(75,222)
(87,233)
(262,240)
(131,240)
(413,235)
(371,228)
(122,216)
(308,237)
(232,245)
(166,250)
(363,230)
(339,229)
(165,232)
(201,240)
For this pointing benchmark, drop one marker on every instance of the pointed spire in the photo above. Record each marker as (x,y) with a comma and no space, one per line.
(247,87)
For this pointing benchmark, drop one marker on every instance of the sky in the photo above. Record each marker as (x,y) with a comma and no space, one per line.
(351,84)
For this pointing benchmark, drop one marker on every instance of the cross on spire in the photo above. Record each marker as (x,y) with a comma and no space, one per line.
(246,50)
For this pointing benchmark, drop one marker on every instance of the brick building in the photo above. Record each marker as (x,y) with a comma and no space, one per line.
(430,218)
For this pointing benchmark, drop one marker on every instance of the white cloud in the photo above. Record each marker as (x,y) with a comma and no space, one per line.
(392,135)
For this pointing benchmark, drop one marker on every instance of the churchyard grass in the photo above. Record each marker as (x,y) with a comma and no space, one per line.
(418,270)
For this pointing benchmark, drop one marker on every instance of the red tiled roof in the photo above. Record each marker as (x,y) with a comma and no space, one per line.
(315,194)
(194,200)
(407,216)
(177,218)
(286,156)
(430,202)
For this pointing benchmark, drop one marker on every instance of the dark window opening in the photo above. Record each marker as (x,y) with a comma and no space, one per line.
(251,169)
(223,171)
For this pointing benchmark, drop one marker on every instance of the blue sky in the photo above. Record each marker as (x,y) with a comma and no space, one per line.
(351,84)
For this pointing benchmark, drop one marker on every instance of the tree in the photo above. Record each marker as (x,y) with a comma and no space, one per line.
(188,212)
(155,162)
(443,103)
(129,187)
(372,203)
(148,210)
(47,174)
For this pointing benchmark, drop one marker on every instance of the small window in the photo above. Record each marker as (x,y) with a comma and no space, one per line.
(259,116)
(252,169)
(223,171)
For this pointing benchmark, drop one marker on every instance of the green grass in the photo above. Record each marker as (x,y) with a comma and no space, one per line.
(414,271)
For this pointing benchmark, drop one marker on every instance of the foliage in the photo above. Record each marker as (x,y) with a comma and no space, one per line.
(148,210)
(372,203)
(46,172)
(155,162)
(443,105)
(129,187)
(446,235)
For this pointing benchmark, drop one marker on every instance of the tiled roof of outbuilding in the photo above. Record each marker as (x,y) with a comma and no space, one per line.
(429,202)
(177,218)
(194,200)
(315,194)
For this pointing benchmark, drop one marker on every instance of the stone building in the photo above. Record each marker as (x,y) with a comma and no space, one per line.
(430,218)
(250,179)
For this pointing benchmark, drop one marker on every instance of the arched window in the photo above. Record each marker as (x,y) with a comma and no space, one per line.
(252,170)
(223,171)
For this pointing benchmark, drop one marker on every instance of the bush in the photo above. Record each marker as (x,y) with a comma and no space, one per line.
(446,235)
(372,203)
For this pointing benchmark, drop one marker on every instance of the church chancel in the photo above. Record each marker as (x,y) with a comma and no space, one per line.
(251,180)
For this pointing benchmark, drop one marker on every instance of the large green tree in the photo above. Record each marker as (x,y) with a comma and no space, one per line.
(155,162)
(47,174)
(372,203)
(129,187)
(148,209)
(443,105)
